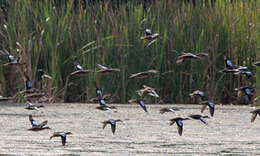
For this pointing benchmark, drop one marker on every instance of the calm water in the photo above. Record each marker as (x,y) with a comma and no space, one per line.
(229,132)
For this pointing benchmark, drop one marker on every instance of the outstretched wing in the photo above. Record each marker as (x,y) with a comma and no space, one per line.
(203,120)
(43,123)
(254,114)
(33,122)
(203,107)
(63,140)
(180,130)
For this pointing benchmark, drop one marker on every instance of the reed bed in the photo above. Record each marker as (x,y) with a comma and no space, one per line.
(53,35)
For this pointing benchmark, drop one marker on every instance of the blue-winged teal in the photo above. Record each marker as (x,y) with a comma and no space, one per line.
(36,126)
(112,123)
(254,114)
(103,105)
(105,70)
(247,74)
(144,74)
(211,107)
(149,90)
(30,106)
(63,136)
(149,35)
(179,123)
(199,117)
(245,90)
(197,93)
(186,56)
(173,109)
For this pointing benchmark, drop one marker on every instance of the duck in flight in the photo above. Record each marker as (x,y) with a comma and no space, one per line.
(36,126)
(199,117)
(179,123)
(112,122)
(173,110)
(211,107)
(63,136)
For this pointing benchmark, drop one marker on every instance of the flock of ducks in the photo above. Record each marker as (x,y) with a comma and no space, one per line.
(229,68)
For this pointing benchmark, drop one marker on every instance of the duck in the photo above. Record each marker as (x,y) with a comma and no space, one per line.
(146,89)
(199,93)
(36,126)
(63,136)
(144,74)
(173,109)
(211,107)
(30,106)
(149,35)
(199,117)
(246,90)
(112,122)
(179,123)
(28,83)
(103,105)
(254,114)
(104,69)
(184,56)
(247,74)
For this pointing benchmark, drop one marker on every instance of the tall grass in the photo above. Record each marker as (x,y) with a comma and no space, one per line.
(53,36)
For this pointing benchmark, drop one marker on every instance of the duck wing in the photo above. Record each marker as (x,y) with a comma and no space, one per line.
(211,111)
(180,130)
(203,107)
(143,106)
(33,122)
(63,140)
(203,120)
(113,127)
(43,123)
(254,114)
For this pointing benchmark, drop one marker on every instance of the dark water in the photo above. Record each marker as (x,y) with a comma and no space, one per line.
(229,132)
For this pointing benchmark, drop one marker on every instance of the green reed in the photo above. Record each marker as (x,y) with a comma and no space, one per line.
(54,35)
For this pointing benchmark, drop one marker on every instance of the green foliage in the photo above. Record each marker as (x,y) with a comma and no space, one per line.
(54,34)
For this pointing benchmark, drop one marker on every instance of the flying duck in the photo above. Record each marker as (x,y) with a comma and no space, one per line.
(30,106)
(211,107)
(147,89)
(36,126)
(112,122)
(186,56)
(199,117)
(179,123)
(63,136)
(144,74)
(105,70)
(197,93)
(149,35)
(173,109)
